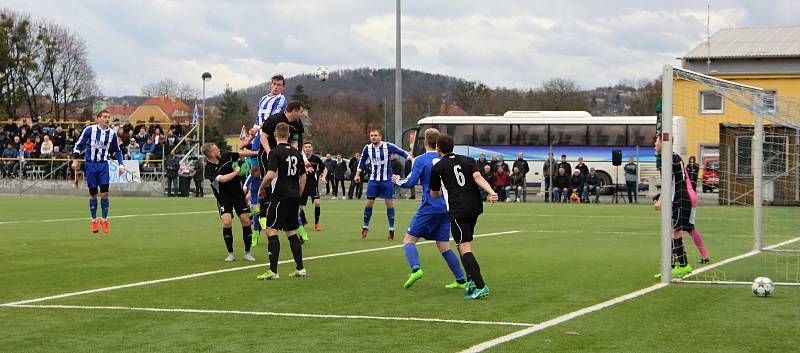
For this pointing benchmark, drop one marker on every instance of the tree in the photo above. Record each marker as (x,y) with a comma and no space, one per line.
(71,77)
(233,112)
(562,94)
(644,101)
(170,88)
(301,96)
(472,97)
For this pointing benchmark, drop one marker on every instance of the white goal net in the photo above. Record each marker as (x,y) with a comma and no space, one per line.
(737,145)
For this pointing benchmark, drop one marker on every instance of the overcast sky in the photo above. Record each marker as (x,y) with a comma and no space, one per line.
(500,43)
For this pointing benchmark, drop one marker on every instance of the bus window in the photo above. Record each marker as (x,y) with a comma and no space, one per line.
(529,135)
(641,135)
(462,134)
(607,135)
(568,135)
(488,135)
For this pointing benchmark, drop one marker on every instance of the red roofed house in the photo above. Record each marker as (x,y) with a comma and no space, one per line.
(121,111)
(162,109)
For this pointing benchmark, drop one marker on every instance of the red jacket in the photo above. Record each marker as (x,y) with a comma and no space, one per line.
(500,177)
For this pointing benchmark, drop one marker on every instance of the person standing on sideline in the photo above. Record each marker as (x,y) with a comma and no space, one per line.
(693,169)
(339,174)
(460,179)
(352,164)
(287,175)
(330,165)
(311,189)
(564,164)
(380,183)
(222,170)
(101,144)
(431,220)
(630,180)
(593,184)
(549,171)
(406,171)
(522,164)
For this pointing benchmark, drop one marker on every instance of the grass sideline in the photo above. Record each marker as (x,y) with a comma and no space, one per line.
(566,257)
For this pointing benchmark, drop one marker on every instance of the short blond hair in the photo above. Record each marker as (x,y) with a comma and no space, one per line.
(206,148)
(431,135)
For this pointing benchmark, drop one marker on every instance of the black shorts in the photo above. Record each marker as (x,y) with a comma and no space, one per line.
(313,193)
(463,229)
(282,215)
(683,216)
(231,204)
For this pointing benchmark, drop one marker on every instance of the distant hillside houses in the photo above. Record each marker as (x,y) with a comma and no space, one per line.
(154,109)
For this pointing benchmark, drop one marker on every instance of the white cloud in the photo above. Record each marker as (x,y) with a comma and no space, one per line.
(515,44)
(240,41)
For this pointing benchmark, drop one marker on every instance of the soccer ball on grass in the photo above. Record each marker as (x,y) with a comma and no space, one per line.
(762,287)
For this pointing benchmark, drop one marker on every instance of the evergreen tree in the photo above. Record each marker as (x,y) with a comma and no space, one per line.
(233,113)
(301,96)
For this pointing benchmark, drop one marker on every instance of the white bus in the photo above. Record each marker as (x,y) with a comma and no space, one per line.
(537,133)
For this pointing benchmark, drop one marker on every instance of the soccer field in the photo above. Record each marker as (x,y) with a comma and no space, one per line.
(157,282)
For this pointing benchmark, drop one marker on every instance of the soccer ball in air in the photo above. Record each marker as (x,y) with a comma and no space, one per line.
(322,73)
(762,286)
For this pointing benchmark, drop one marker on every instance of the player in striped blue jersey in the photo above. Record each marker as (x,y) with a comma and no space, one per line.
(271,104)
(380,179)
(100,142)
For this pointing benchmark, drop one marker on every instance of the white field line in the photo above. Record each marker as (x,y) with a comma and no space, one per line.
(269,313)
(110,217)
(739,257)
(208,273)
(563,318)
(795,284)
(566,317)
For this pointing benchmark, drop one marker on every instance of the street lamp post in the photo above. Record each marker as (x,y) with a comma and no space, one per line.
(206,77)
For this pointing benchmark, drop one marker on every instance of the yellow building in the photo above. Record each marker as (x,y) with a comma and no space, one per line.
(162,110)
(768,58)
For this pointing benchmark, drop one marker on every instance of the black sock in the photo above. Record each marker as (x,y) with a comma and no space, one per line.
(680,251)
(297,251)
(227,234)
(316,214)
(466,270)
(303,217)
(475,270)
(247,235)
(274,247)
(461,281)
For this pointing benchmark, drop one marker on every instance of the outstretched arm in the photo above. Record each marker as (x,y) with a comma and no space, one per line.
(485,186)
(412,179)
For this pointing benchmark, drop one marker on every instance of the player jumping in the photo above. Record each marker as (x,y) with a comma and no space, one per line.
(100,141)
(380,184)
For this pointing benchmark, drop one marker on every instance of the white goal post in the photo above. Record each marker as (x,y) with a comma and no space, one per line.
(753,105)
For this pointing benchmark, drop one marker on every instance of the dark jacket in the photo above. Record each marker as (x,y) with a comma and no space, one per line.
(483,162)
(341,170)
(566,166)
(583,168)
(397,167)
(576,181)
(353,165)
(172,167)
(522,165)
(593,180)
(330,163)
(548,166)
(518,180)
(561,181)
(489,177)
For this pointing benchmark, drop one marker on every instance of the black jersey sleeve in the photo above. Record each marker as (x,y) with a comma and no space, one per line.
(211,171)
(435,183)
(275,158)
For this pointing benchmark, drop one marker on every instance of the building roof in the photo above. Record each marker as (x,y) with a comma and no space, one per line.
(120,109)
(764,42)
(168,104)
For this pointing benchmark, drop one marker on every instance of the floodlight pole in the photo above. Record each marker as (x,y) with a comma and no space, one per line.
(205,77)
(666,174)
(398,90)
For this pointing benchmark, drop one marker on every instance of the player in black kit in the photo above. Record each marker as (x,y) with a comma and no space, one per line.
(222,169)
(287,178)
(312,184)
(459,179)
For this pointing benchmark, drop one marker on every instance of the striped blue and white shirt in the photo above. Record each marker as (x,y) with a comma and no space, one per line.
(99,143)
(379,157)
(267,106)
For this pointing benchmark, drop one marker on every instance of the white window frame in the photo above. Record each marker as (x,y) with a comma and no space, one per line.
(703,109)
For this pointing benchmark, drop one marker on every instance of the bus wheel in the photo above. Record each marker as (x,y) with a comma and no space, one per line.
(605,180)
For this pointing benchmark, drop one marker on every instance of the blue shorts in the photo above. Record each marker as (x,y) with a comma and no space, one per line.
(96,174)
(434,226)
(382,189)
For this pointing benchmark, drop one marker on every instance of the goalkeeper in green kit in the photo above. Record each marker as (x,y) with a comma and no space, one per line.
(225,173)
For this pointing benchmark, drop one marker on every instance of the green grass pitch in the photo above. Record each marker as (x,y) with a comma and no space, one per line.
(562,258)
